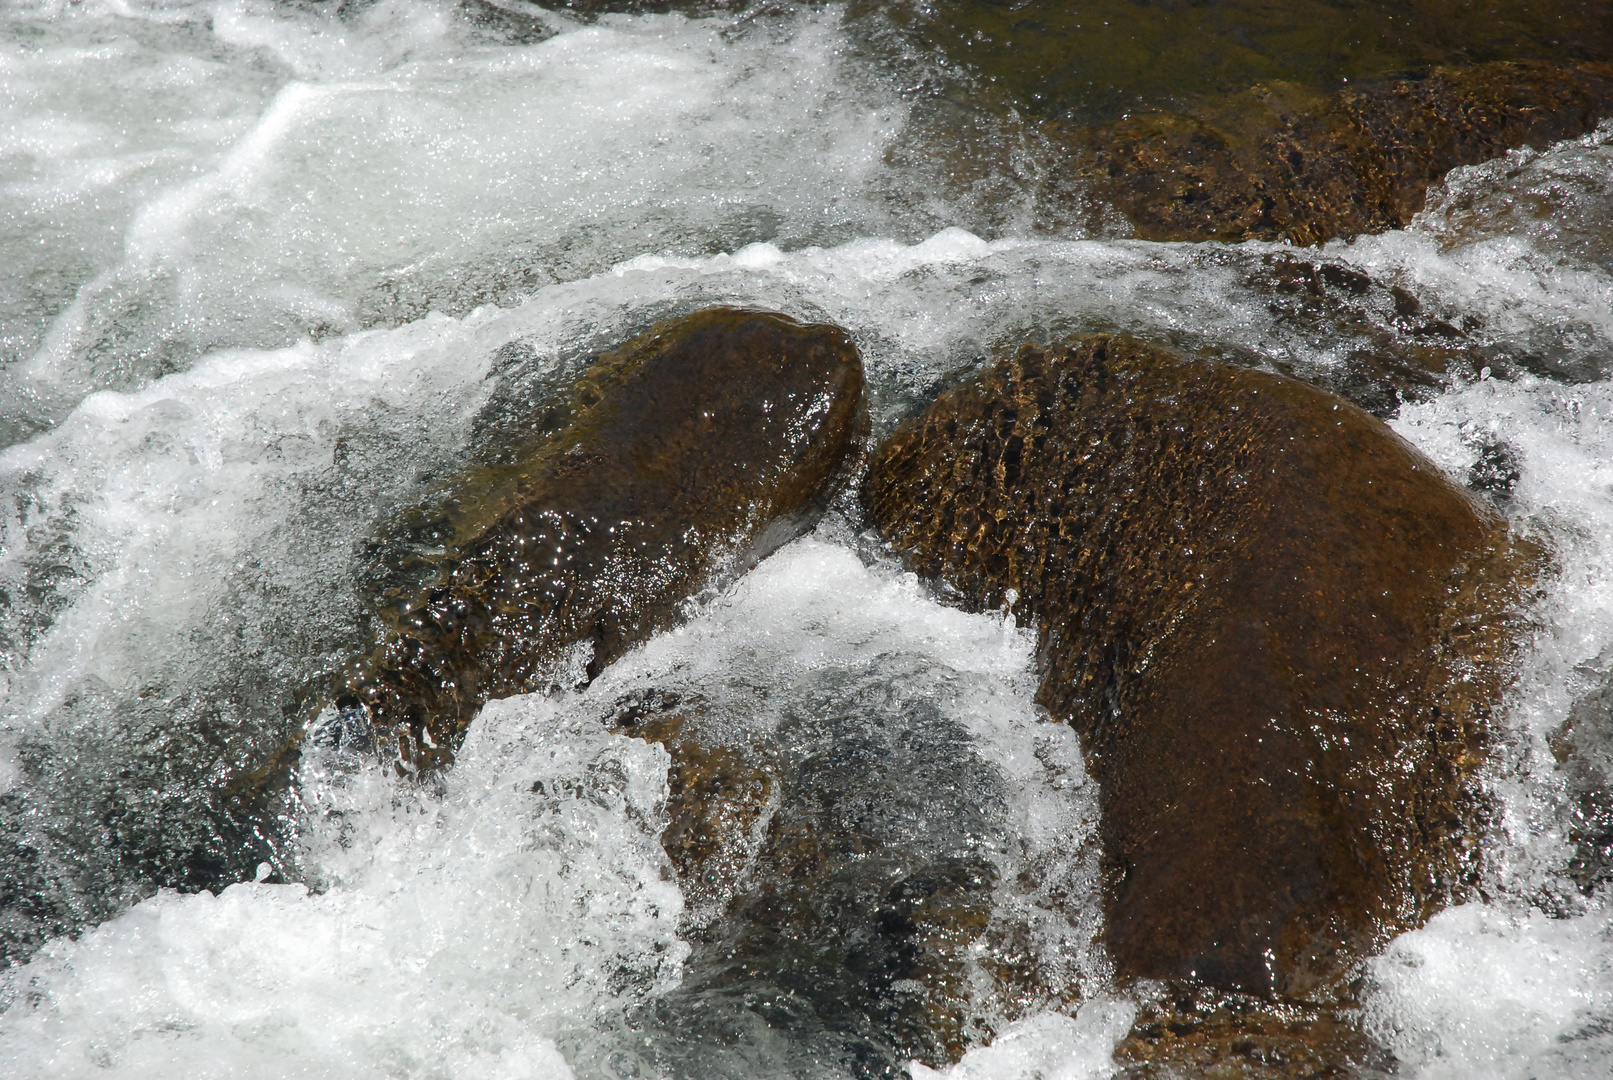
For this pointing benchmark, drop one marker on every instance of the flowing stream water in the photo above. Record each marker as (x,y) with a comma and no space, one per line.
(268,270)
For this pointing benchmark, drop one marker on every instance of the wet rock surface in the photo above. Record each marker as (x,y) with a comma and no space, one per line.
(1389,347)
(1400,351)
(1583,747)
(1277,628)
(1397,349)
(684,455)
(1282,162)
(839,872)
(717,797)
(1226,121)
(1188,1031)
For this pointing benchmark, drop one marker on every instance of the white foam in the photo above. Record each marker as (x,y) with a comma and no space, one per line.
(1520,247)
(814,609)
(176,485)
(1562,440)
(361,172)
(459,936)
(172,487)
(1483,991)
(464,934)
(1498,989)
(399,155)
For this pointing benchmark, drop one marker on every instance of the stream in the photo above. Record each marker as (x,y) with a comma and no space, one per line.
(269,272)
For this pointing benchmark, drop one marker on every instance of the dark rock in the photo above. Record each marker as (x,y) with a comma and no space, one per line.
(1397,350)
(1277,627)
(717,795)
(686,454)
(848,912)
(1583,747)
(1282,161)
(1386,346)
(507,24)
(1496,472)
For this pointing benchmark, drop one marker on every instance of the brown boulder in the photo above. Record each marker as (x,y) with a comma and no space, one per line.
(1281,161)
(688,453)
(1276,626)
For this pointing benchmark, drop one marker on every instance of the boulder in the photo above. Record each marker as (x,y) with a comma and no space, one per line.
(1286,162)
(1278,629)
(685,455)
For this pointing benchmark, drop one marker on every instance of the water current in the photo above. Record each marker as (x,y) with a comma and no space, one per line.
(268,271)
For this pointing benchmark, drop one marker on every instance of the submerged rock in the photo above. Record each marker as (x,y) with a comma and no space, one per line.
(1278,629)
(839,877)
(1284,162)
(1390,348)
(1583,746)
(684,455)
(717,797)
(1094,61)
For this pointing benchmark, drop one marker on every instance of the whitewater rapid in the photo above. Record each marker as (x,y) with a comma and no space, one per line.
(267,276)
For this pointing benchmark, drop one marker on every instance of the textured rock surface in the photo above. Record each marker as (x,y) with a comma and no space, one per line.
(1277,628)
(687,453)
(1189,1032)
(1285,162)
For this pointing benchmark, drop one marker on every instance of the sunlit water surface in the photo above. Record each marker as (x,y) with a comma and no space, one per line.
(266,274)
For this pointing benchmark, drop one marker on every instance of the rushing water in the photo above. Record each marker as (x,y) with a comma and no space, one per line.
(266,271)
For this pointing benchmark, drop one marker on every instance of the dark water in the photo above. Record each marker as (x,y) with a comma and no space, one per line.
(1086,62)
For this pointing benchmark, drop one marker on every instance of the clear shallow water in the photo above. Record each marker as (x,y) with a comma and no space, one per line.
(268,275)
